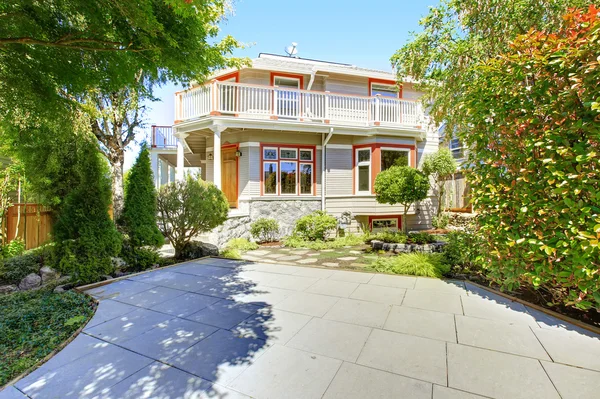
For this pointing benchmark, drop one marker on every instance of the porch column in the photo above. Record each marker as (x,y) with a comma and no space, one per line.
(154,166)
(217,130)
(164,172)
(180,160)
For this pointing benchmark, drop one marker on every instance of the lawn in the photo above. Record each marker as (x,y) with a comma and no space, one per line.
(34,323)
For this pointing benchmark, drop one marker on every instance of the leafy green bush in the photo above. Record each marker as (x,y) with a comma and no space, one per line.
(13,270)
(439,166)
(86,237)
(241,244)
(34,323)
(188,208)
(413,264)
(315,226)
(396,237)
(139,210)
(14,248)
(349,240)
(441,221)
(401,185)
(421,238)
(139,259)
(461,250)
(265,230)
(534,153)
(231,253)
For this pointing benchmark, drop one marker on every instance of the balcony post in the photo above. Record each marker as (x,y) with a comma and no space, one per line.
(217,130)
(377,116)
(327,106)
(180,176)
(214,98)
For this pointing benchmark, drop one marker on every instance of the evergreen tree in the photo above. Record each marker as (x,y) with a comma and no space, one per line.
(139,212)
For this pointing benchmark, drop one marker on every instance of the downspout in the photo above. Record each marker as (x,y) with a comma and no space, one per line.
(324,141)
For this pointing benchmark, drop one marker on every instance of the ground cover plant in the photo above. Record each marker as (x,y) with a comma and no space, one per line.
(339,242)
(34,323)
(413,264)
(397,237)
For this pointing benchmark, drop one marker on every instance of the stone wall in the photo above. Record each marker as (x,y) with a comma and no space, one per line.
(408,248)
(285,212)
(234,227)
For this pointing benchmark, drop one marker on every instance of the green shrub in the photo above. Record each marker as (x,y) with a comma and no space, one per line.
(414,264)
(139,259)
(14,269)
(461,250)
(441,221)
(139,211)
(533,137)
(439,166)
(388,236)
(231,253)
(241,244)
(86,237)
(421,238)
(315,226)
(188,208)
(349,240)
(265,230)
(14,248)
(401,185)
(34,323)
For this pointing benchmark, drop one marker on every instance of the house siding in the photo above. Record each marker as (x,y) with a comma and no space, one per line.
(338,171)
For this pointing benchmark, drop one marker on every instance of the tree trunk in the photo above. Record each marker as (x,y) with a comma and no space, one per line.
(441,193)
(404,225)
(116,165)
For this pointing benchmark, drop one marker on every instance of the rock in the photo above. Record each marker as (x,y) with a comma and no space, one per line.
(377,245)
(106,277)
(60,288)
(118,263)
(30,281)
(197,249)
(7,289)
(48,274)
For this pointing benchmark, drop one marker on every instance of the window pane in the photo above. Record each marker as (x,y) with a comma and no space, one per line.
(391,158)
(270,153)
(385,224)
(287,82)
(286,153)
(270,177)
(363,178)
(384,90)
(306,179)
(305,155)
(288,177)
(364,155)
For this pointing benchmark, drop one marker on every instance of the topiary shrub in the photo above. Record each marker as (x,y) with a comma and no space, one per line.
(413,264)
(265,230)
(86,237)
(316,226)
(139,211)
(188,208)
(401,185)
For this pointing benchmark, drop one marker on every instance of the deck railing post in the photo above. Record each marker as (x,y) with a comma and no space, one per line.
(377,110)
(327,106)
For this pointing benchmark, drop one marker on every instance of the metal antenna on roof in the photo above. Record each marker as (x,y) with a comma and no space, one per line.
(292,50)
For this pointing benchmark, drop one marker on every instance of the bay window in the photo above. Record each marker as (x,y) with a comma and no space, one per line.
(394,157)
(287,170)
(370,159)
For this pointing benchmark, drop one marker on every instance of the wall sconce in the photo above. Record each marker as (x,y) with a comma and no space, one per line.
(238,153)
(210,156)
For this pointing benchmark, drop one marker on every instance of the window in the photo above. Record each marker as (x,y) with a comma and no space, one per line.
(363,165)
(384,90)
(292,83)
(383,223)
(394,157)
(288,170)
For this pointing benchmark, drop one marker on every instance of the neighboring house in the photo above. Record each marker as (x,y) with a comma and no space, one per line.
(286,136)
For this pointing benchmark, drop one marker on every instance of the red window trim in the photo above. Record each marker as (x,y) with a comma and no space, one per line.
(384,81)
(376,217)
(235,75)
(278,160)
(287,75)
(376,160)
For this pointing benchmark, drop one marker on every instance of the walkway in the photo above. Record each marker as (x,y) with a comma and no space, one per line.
(224,329)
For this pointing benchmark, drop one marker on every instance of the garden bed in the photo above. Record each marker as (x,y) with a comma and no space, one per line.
(434,247)
(37,323)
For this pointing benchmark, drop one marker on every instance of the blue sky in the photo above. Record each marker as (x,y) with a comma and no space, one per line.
(362,33)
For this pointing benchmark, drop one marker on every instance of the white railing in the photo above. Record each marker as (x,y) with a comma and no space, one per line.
(267,102)
(162,137)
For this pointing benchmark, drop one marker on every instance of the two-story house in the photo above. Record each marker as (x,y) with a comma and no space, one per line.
(286,136)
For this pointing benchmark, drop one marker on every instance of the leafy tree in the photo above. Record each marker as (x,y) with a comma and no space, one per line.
(188,208)
(439,166)
(139,213)
(86,237)
(401,185)
(459,34)
(534,147)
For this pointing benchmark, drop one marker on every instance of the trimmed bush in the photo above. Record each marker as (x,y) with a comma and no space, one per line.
(231,253)
(139,259)
(86,237)
(139,211)
(413,264)
(241,244)
(188,208)
(315,226)
(265,230)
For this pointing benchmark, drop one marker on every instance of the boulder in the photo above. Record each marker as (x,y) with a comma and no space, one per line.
(48,274)
(197,249)
(7,289)
(118,263)
(60,288)
(30,281)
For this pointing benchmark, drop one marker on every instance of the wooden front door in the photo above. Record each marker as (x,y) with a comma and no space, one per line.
(229,175)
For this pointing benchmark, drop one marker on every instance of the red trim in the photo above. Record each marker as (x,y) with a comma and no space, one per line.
(237,170)
(287,75)
(376,160)
(387,82)
(397,217)
(235,75)
(278,160)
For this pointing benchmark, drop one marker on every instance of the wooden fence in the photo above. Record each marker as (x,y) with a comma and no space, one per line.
(35,224)
(458,194)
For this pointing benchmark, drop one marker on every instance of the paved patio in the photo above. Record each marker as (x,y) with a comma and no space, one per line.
(223,329)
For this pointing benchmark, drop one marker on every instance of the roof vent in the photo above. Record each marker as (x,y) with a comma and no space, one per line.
(292,50)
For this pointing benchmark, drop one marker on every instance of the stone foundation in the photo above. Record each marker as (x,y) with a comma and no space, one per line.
(434,247)
(234,227)
(285,212)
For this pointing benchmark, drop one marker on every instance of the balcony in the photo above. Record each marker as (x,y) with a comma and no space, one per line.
(162,137)
(284,104)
